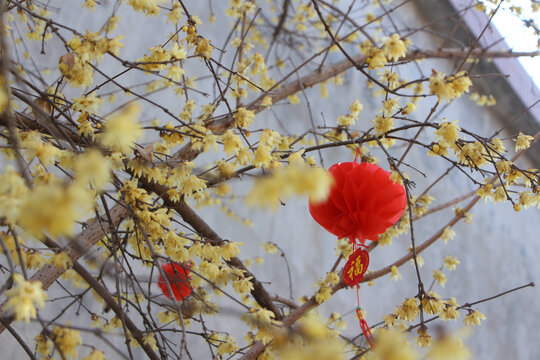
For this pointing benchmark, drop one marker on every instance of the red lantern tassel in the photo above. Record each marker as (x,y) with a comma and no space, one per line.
(363,324)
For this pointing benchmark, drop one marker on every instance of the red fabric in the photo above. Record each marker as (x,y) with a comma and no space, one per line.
(362,204)
(178,278)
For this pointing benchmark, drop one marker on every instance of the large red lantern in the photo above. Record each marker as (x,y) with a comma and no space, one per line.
(178,277)
(362,204)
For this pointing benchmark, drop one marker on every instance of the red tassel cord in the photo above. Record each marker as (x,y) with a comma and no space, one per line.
(365,327)
(363,324)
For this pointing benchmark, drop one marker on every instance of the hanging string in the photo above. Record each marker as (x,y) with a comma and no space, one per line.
(356,156)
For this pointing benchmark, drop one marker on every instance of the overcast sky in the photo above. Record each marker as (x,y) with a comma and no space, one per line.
(519,37)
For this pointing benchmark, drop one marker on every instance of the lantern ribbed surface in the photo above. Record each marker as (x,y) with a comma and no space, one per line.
(363,202)
(178,278)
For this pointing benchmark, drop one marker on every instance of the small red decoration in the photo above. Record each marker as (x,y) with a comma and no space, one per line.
(362,204)
(355,268)
(178,277)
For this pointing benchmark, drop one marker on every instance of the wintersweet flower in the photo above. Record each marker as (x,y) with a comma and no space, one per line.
(474,318)
(23,298)
(523,141)
(394,47)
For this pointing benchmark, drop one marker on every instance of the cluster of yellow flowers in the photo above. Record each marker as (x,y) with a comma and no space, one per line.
(91,46)
(483,100)
(148,7)
(71,200)
(399,228)
(449,87)
(393,49)
(313,339)
(263,321)
(349,119)
(67,341)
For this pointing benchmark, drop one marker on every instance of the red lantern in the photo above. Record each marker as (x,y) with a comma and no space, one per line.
(178,277)
(362,204)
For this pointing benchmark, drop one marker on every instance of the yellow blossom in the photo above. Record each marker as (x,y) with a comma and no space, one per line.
(269,248)
(67,340)
(263,156)
(60,260)
(54,208)
(523,141)
(440,148)
(177,51)
(431,304)
(91,167)
(504,166)
(204,48)
(89,103)
(419,260)
(332,279)
(439,277)
(450,262)
(389,320)
(449,88)
(344,247)
(382,124)
(375,58)
(423,340)
(395,275)
(448,132)
(44,345)
(392,345)
(294,99)
(474,318)
(95,355)
(390,104)
(243,118)
(266,101)
(121,130)
(449,312)
(447,234)
(34,259)
(409,310)
(243,285)
(324,294)
(150,340)
(13,192)
(225,344)
(315,182)
(175,14)
(345,120)
(409,108)
(472,154)
(90,5)
(355,108)
(148,7)
(394,47)
(460,83)
(23,298)
(449,348)
(527,199)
